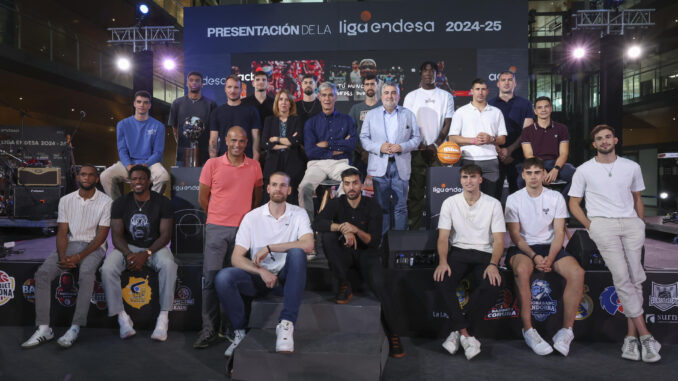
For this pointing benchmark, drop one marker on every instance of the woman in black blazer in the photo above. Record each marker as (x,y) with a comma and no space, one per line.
(283,141)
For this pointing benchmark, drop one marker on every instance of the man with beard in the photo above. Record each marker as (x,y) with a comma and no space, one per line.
(83,223)
(277,236)
(260,100)
(230,186)
(141,225)
(615,220)
(358,112)
(192,105)
(350,228)
(309,105)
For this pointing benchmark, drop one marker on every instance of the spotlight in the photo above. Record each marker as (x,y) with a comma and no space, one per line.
(143,8)
(634,52)
(663,195)
(169,64)
(579,53)
(123,63)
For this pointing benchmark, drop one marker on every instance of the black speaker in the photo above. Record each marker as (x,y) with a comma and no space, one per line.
(584,249)
(36,203)
(412,249)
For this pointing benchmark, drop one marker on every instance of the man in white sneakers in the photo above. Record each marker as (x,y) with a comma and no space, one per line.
(615,221)
(535,217)
(475,245)
(278,236)
(84,220)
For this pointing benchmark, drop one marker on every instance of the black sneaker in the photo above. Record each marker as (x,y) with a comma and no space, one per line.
(344,294)
(395,347)
(206,338)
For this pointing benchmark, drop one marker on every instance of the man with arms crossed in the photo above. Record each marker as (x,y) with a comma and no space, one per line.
(476,244)
(535,217)
(615,220)
(278,236)
(84,220)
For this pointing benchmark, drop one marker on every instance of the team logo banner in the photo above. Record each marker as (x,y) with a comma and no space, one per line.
(543,305)
(66,292)
(28,289)
(609,301)
(98,296)
(506,307)
(6,288)
(137,293)
(664,296)
(585,308)
(183,297)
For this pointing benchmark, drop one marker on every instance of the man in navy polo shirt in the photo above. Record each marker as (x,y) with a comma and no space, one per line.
(518,114)
(549,141)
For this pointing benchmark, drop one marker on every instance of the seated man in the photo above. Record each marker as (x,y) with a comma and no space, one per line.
(475,246)
(536,221)
(84,218)
(141,225)
(141,140)
(278,235)
(351,231)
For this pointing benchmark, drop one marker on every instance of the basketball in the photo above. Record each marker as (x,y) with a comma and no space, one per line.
(449,153)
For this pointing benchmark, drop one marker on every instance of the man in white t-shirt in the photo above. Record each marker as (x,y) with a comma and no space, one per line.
(278,236)
(479,129)
(433,108)
(615,221)
(475,246)
(535,217)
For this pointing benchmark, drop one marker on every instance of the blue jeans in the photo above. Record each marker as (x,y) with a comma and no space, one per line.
(565,174)
(231,282)
(385,187)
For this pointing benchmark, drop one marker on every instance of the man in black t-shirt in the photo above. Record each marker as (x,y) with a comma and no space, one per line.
(141,228)
(309,105)
(260,99)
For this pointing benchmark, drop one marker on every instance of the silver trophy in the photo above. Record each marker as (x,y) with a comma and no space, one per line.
(193,128)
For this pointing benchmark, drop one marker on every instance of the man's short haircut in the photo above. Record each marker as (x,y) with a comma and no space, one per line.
(260,73)
(426,63)
(601,127)
(508,72)
(293,104)
(328,85)
(309,75)
(90,166)
(470,169)
(139,167)
(143,94)
(533,162)
(194,73)
(350,172)
(280,173)
(369,77)
(234,77)
(478,81)
(542,98)
(390,84)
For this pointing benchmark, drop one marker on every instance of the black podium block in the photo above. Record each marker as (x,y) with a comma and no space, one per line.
(442,182)
(188,235)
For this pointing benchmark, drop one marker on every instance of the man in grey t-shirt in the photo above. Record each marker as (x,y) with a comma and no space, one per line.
(358,112)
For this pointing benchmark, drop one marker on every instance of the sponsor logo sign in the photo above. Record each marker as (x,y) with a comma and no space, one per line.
(28,290)
(137,293)
(585,308)
(543,305)
(7,285)
(664,296)
(506,307)
(183,297)
(462,292)
(98,296)
(66,292)
(661,318)
(609,301)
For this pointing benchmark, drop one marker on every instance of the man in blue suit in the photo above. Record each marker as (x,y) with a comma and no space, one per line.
(389,134)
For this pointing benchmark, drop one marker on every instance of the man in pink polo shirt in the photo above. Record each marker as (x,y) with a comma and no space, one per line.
(230,186)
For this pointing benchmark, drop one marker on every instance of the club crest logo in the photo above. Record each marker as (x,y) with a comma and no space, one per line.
(28,289)
(137,293)
(543,305)
(67,292)
(664,296)
(183,297)
(98,296)
(506,307)
(7,285)
(585,306)
(462,293)
(609,301)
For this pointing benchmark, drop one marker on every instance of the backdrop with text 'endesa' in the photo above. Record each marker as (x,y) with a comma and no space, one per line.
(341,42)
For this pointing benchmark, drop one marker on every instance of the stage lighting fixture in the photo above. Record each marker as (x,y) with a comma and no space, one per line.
(124,63)
(634,51)
(579,53)
(143,8)
(169,64)
(663,195)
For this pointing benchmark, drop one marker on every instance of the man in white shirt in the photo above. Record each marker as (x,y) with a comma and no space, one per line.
(84,221)
(615,221)
(479,129)
(475,246)
(433,108)
(278,236)
(535,217)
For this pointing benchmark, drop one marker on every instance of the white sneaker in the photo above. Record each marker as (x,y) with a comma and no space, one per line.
(126,326)
(451,344)
(471,346)
(68,338)
(285,341)
(160,331)
(562,340)
(630,349)
(650,349)
(40,336)
(534,341)
(238,336)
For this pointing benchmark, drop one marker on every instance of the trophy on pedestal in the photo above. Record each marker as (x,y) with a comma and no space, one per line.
(193,128)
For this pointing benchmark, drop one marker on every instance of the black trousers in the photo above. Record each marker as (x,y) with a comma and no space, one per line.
(484,295)
(368,263)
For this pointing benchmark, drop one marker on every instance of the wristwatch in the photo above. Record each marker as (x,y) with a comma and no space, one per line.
(149,252)
(556,167)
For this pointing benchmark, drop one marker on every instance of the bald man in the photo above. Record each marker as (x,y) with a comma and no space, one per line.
(226,202)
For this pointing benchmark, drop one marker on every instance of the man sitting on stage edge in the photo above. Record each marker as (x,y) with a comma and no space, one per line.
(476,245)
(84,220)
(535,217)
(278,236)
(351,231)
(141,140)
(141,224)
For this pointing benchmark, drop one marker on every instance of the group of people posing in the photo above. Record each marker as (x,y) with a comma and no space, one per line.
(252,249)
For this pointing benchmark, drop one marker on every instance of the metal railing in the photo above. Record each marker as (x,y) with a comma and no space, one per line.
(649,80)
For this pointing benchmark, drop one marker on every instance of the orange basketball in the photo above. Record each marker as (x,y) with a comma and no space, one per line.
(449,153)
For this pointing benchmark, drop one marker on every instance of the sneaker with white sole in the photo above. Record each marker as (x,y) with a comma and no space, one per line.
(68,338)
(562,340)
(126,326)
(534,341)
(40,336)
(451,344)
(238,336)
(650,349)
(160,331)
(284,342)
(471,346)
(630,349)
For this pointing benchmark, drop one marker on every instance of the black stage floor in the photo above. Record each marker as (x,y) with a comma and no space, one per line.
(100,355)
